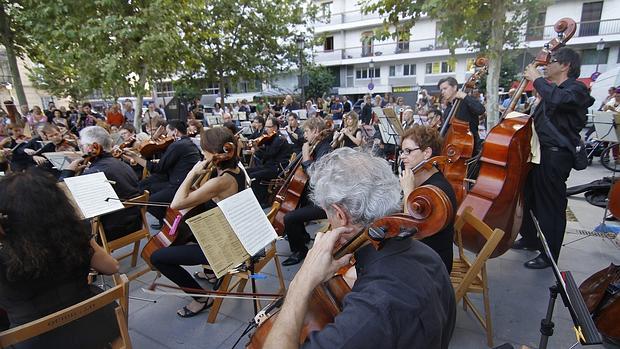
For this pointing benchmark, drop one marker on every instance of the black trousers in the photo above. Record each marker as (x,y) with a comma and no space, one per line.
(258,174)
(169,261)
(295,228)
(545,195)
(161,190)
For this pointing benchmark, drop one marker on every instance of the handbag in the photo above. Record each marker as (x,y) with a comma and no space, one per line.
(580,156)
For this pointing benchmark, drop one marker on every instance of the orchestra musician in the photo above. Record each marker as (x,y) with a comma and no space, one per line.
(55,143)
(420,143)
(97,142)
(294,221)
(469,110)
(230,180)
(434,118)
(295,133)
(272,156)
(14,146)
(258,125)
(558,118)
(47,253)
(350,135)
(401,295)
(167,174)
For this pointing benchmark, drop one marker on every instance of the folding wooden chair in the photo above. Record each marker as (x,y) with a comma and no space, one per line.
(62,317)
(242,277)
(469,277)
(133,238)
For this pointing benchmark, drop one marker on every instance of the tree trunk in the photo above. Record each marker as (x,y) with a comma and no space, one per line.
(137,121)
(7,42)
(222,91)
(496,46)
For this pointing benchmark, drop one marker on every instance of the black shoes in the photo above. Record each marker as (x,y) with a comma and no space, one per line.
(540,262)
(295,258)
(522,245)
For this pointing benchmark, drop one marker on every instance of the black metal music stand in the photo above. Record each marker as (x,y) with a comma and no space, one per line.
(585,329)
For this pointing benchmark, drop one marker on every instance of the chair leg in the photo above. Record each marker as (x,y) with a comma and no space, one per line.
(217,302)
(276,260)
(487,309)
(134,255)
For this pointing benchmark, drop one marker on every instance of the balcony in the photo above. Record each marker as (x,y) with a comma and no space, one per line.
(584,29)
(346,17)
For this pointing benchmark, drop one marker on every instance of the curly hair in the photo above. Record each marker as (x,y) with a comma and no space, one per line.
(424,137)
(42,229)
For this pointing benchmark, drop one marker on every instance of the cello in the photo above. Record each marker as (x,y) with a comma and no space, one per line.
(601,293)
(458,143)
(497,196)
(326,301)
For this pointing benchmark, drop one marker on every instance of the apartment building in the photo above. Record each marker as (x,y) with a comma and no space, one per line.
(417,60)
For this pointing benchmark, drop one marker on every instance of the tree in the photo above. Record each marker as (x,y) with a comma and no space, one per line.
(244,40)
(12,38)
(109,46)
(321,82)
(486,25)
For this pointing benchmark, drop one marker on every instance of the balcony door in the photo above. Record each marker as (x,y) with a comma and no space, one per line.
(590,18)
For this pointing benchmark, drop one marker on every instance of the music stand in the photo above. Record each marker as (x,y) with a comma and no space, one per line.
(390,128)
(585,329)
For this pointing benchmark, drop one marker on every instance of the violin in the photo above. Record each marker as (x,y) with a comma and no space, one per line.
(326,301)
(117,152)
(263,139)
(497,196)
(151,147)
(175,231)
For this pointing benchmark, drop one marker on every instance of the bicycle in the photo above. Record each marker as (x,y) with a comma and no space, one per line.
(608,160)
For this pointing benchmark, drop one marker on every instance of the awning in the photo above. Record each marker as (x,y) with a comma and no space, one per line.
(530,86)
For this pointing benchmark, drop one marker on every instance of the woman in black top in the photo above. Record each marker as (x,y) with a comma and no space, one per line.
(350,135)
(46,253)
(420,143)
(230,180)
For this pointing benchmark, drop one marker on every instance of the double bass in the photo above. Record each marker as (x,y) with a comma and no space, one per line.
(497,196)
(326,301)
(601,293)
(458,144)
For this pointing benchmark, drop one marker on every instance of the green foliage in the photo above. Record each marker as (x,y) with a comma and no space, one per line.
(188,89)
(511,70)
(320,82)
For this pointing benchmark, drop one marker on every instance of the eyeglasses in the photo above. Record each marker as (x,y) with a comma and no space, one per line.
(407,151)
(553,60)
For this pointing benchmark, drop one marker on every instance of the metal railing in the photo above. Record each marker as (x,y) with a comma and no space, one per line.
(586,28)
(345,17)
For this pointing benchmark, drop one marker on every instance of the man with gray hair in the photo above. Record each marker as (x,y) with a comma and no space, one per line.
(401,295)
(97,143)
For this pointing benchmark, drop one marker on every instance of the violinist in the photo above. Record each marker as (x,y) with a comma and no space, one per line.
(469,110)
(558,119)
(350,135)
(418,144)
(230,180)
(317,135)
(168,173)
(97,143)
(401,296)
(14,146)
(295,133)
(87,117)
(258,125)
(272,156)
(55,143)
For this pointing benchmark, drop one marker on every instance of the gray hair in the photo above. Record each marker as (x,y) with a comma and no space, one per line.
(361,184)
(97,134)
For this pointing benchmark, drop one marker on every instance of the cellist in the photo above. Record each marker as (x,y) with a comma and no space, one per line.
(401,294)
(470,108)
(558,118)
(317,135)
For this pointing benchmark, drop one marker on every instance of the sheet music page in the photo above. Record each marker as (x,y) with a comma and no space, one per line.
(393,118)
(218,241)
(248,221)
(61,160)
(90,193)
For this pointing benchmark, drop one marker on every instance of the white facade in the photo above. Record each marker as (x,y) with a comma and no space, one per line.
(344,22)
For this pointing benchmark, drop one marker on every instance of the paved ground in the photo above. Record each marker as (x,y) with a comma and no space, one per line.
(519,296)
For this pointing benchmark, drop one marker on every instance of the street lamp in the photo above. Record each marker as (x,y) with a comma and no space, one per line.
(600,46)
(371,65)
(301,41)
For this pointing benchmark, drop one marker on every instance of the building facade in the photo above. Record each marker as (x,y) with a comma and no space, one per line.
(418,60)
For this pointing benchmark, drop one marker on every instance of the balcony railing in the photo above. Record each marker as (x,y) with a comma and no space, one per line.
(586,28)
(345,17)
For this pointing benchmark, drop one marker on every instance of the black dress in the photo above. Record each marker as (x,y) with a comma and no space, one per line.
(31,299)
(442,241)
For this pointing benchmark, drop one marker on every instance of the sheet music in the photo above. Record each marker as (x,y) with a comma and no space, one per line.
(61,160)
(218,241)
(285,134)
(394,121)
(384,127)
(248,220)
(90,193)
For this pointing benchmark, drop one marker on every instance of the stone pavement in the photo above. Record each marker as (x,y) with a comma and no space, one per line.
(519,296)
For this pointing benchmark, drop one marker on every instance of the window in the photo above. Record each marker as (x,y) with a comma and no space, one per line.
(441,67)
(368,73)
(5,72)
(536,26)
(590,18)
(409,69)
(328,45)
(326,11)
(392,70)
(367,44)
(592,56)
(403,40)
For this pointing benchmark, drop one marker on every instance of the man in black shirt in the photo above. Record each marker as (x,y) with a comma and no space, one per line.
(295,133)
(258,125)
(401,295)
(558,118)
(469,109)
(168,173)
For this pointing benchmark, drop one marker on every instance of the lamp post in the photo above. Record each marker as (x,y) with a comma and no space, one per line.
(600,46)
(371,65)
(300,45)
